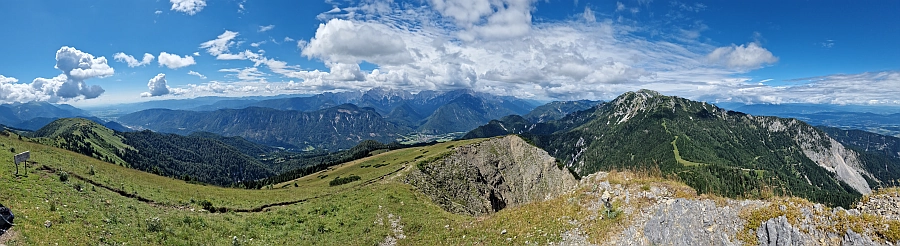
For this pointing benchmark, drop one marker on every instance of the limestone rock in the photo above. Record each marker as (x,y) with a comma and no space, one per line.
(486,177)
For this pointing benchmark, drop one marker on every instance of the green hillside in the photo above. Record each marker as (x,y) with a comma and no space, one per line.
(200,157)
(84,136)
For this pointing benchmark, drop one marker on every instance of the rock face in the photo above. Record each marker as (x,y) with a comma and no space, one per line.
(486,177)
(691,222)
(777,231)
(687,222)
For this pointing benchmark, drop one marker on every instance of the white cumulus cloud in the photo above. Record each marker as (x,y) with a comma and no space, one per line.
(347,41)
(80,65)
(749,56)
(189,7)
(174,61)
(76,67)
(494,19)
(131,61)
(158,86)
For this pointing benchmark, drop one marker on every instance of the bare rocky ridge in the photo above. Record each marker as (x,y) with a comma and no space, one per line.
(486,177)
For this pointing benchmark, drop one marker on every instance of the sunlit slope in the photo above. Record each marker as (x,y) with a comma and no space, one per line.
(86,136)
(106,203)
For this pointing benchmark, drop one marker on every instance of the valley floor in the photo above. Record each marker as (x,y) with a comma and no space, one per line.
(102,203)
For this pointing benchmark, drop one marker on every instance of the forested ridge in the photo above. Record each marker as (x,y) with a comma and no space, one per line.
(192,158)
(200,157)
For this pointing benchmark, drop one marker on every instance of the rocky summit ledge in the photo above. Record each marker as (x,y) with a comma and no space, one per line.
(665,213)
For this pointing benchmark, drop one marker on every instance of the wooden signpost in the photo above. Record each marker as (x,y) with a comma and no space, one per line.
(22,157)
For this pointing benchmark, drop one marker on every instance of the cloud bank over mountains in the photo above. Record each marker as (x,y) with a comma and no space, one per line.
(493,46)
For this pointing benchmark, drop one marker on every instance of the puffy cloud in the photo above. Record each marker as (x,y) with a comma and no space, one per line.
(490,19)
(197,74)
(266,28)
(131,61)
(466,13)
(158,86)
(189,7)
(257,44)
(11,91)
(221,44)
(78,65)
(345,41)
(174,61)
(345,72)
(4,79)
(750,56)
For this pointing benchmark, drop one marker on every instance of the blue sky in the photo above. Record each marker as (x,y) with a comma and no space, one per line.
(101,52)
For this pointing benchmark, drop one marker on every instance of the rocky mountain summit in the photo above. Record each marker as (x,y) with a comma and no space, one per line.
(489,176)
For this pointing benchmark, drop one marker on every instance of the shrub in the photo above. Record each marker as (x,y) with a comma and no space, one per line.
(91,171)
(63,176)
(154,224)
(339,181)
(207,205)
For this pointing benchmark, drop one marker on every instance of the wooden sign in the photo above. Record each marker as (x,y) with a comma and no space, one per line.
(22,157)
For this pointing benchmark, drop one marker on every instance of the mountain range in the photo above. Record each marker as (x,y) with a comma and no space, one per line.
(335,121)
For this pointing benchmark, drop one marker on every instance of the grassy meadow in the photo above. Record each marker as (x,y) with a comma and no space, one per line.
(369,211)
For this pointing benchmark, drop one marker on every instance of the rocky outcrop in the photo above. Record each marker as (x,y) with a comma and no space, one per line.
(777,231)
(687,222)
(486,177)
(841,161)
(886,204)
(824,151)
